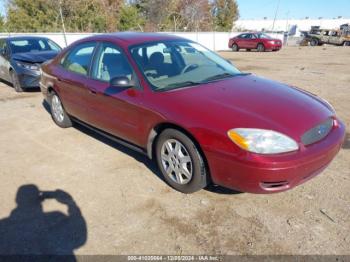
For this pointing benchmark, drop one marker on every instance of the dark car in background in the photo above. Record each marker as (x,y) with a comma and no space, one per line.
(259,41)
(21,59)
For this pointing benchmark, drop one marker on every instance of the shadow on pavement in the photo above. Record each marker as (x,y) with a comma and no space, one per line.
(27,90)
(34,234)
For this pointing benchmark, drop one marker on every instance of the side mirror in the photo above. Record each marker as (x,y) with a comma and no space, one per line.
(122,82)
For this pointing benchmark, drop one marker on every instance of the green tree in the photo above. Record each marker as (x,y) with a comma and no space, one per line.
(2,24)
(225,12)
(130,18)
(79,15)
(31,16)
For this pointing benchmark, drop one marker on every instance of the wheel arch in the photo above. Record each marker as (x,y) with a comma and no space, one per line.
(159,128)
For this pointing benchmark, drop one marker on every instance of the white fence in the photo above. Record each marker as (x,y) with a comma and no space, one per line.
(213,40)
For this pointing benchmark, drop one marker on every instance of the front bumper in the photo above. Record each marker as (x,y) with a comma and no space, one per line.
(260,174)
(29,79)
(270,46)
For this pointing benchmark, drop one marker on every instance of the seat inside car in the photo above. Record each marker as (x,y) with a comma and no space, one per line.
(114,65)
(156,62)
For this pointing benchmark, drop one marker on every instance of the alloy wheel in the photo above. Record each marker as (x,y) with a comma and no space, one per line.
(176,161)
(57,108)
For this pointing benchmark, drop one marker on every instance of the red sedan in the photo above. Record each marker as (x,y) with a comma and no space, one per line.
(259,41)
(198,116)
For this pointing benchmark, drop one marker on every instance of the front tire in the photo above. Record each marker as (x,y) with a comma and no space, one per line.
(15,82)
(58,114)
(235,48)
(314,42)
(180,162)
(260,48)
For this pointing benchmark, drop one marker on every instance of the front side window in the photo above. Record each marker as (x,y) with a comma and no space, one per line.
(170,65)
(110,63)
(78,60)
(32,45)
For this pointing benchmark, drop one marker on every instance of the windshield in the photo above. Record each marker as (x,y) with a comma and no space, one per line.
(33,45)
(263,36)
(170,65)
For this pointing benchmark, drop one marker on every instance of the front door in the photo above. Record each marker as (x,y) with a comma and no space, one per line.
(115,110)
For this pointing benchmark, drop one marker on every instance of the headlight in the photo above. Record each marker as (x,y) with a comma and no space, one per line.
(262,141)
(28,66)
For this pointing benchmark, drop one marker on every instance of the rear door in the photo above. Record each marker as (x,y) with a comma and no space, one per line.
(72,80)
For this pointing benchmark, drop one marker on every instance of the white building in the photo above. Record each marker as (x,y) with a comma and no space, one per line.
(286,25)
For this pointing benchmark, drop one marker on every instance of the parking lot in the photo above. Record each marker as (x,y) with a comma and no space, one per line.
(125,208)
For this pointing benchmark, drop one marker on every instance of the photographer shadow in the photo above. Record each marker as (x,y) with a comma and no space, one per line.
(30,231)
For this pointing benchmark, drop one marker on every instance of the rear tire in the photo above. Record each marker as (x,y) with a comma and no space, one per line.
(314,42)
(180,162)
(235,48)
(260,48)
(58,114)
(15,82)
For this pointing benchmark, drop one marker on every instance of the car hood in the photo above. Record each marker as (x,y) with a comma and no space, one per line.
(35,57)
(250,102)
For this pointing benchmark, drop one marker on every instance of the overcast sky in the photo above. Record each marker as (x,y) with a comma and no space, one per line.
(297,8)
(258,9)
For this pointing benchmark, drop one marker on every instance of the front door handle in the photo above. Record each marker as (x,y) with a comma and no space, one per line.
(92,91)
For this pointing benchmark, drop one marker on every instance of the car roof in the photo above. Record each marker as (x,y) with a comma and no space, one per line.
(133,38)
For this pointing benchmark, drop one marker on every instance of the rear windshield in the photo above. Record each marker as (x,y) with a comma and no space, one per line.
(32,45)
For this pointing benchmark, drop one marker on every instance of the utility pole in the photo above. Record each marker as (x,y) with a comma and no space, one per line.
(62,21)
(287,23)
(274,20)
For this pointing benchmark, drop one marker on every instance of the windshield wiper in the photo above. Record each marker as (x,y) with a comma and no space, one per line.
(179,85)
(222,76)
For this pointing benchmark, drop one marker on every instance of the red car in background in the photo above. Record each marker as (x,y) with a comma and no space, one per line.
(192,111)
(259,41)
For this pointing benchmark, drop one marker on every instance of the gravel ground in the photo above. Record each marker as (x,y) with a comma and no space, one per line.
(119,205)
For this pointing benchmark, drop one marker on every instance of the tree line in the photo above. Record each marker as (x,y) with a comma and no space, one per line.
(119,15)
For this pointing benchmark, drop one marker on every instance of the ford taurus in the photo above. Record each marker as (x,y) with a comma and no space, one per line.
(197,115)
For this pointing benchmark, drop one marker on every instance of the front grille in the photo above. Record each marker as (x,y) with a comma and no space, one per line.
(318,132)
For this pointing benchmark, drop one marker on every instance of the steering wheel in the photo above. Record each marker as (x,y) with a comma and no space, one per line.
(189,68)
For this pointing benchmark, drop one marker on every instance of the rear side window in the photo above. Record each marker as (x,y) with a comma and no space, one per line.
(78,60)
